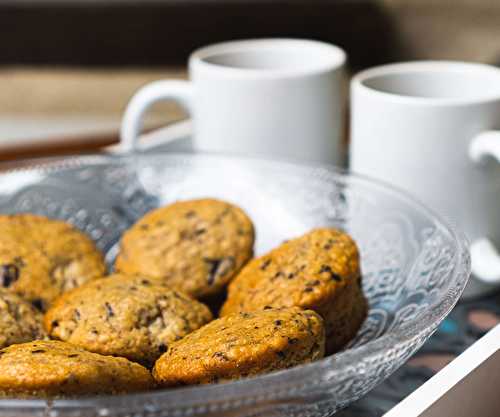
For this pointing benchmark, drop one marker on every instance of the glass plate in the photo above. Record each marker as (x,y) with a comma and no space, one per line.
(414,266)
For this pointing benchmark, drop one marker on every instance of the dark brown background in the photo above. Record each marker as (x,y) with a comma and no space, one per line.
(152,33)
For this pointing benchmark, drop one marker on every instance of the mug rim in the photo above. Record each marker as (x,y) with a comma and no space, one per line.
(336,60)
(358,82)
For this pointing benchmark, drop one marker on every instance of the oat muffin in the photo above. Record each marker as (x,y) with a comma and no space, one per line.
(196,246)
(19,321)
(241,345)
(129,316)
(41,258)
(58,369)
(318,271)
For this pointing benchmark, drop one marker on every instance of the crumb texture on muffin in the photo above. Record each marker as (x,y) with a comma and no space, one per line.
(41,258)
(58,369)
(241,345)
(319,271)
(130,316)
(196,246)
(19,321)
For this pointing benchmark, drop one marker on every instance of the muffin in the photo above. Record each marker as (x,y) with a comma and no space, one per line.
(242,345)
(19,321)
(57,369)
(195,246)
(130,316)
(318,271)
(41,258)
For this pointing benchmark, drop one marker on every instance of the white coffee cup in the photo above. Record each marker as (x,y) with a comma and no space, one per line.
(272,97)
(429,127)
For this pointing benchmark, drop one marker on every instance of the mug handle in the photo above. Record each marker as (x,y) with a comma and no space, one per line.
(485,257)
(176,90)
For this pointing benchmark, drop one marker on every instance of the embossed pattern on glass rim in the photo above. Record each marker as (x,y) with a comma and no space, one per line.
(415,270)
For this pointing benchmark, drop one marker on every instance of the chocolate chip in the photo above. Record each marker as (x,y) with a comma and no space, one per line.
(308,289)
(329,244)
(281,354)
(333,275)
(336,277)
(54,323)
(37,303)
(278,322)
(162,348)
(267,308)
(9,273)
(109,310)
(145,282)
(325,268)
(291,275)
(218,268)
(221,356)
(265,264)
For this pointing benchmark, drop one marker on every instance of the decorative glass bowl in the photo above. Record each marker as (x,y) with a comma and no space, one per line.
(414,266)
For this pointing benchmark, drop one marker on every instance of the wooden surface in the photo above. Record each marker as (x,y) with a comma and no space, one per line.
(63,146)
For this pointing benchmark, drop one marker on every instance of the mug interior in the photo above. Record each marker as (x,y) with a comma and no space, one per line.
(272,55)
(439,80)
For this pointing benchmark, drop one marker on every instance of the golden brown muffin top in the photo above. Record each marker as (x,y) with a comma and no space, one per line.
(41,258)
(242,345)
(196,246)
(131,316)
(58,369)
(307,271)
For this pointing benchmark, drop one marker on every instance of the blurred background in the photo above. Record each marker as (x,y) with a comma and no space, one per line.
(68,67)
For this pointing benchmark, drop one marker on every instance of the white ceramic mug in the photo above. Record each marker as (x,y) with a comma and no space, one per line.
(272,97)
(429,127)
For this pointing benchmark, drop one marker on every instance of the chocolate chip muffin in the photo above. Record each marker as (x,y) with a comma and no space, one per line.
(318,271)
(58,369)
(19,321)
(41,258)
(241,345)
(196,246)
(129,316)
